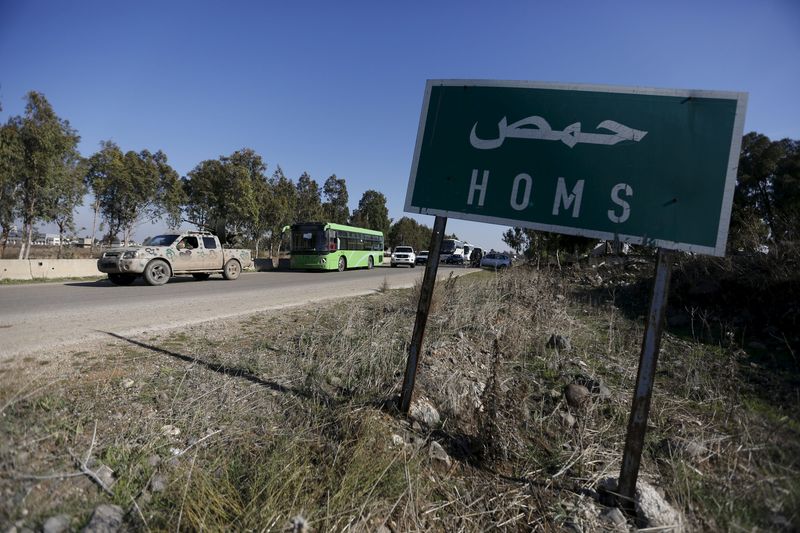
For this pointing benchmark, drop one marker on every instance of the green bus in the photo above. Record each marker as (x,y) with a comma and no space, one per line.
(328,246)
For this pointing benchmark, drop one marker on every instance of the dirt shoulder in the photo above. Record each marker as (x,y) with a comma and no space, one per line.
(285,417)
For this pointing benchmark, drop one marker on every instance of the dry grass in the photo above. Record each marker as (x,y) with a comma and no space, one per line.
(288,415)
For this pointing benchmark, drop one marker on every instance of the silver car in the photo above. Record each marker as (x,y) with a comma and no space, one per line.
(496,261)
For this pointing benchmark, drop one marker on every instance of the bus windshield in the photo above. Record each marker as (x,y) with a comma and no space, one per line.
(449,246)
(310,238)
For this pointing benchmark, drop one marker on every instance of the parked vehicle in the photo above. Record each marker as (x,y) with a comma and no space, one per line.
(455,259)
(468,249)
(403,255)
(195,253)
(475,257)
(329,246)
(496,261)
(422,258)
(450,247)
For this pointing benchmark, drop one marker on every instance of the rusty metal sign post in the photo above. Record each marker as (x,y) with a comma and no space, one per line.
(637,423)
(425,297)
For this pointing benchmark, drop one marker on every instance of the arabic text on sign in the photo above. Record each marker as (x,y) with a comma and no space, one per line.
(571,135)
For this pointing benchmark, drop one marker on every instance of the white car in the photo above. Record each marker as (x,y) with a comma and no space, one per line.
(403,255)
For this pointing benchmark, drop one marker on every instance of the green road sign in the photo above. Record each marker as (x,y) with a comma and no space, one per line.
(645,166)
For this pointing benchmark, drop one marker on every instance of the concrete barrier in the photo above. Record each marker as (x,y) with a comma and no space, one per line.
(15,269)
(48,268)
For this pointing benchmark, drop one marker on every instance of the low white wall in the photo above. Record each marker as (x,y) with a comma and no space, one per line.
(48,268)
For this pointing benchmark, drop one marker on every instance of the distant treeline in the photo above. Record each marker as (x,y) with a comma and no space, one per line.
(43,178)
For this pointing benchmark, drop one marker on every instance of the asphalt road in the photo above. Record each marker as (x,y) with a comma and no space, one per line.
(38,317)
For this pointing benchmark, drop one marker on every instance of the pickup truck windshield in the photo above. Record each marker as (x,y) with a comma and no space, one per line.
(161,240)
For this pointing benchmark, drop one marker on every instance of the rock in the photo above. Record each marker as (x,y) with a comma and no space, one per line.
(397,440)
(127,383)
(559,342)
(652,510)
(105,519)
(614,518)
(603,392)
(299,524)
(424,412)
(154,460)
(438,456)
(567,419)
(691,450)
(170,430)
(56,524)
(158,483)
(106,475)
(576,395)
(695,451)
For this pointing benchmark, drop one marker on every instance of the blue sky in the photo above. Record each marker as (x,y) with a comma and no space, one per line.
(337,87)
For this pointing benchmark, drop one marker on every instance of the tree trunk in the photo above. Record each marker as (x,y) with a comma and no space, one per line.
(60,240)
(94,221)
(5,243)
(29,238)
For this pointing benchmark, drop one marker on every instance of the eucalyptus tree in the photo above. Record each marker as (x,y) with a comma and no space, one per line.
(11,158)
(409,232)
(372,212)
(768,189)
(335,207)
(60,208)
(132,187)
(224,195)
(282,209)
(45,143)
(309,199)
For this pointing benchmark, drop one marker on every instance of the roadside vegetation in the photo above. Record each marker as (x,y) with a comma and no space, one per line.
(286,419)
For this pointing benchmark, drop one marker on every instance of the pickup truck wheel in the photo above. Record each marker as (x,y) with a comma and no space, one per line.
(370,263)
(232,269)
(342,264)
(157,272)
(201,276)
(121,279)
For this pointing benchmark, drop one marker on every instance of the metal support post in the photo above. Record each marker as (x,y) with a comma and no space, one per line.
(637,423)
(425,297)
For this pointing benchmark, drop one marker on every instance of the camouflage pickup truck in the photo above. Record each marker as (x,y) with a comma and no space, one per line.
(195,253)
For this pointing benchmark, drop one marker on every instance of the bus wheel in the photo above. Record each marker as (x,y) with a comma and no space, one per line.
(342,264)
(370,263)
